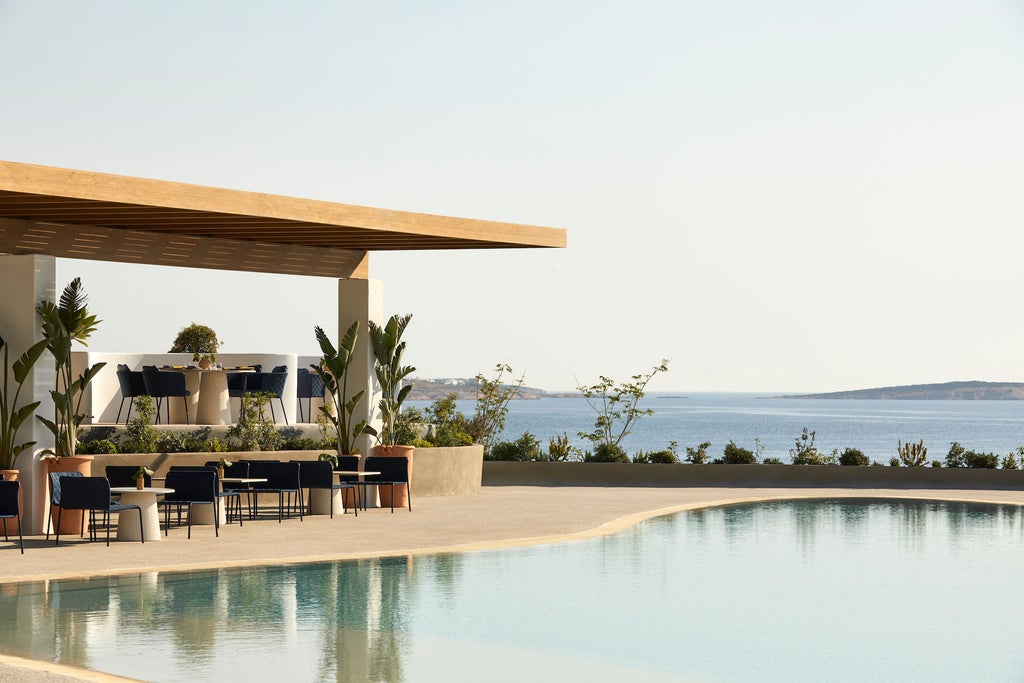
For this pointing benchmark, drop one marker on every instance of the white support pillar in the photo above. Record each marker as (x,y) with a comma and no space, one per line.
(362,300)
(24,281)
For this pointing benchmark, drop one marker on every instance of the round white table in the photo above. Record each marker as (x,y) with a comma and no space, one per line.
(128,520)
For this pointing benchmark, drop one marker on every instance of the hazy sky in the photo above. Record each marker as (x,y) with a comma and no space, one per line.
(788,196)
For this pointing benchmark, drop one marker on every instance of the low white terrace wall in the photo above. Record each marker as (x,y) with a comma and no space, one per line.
(103,396)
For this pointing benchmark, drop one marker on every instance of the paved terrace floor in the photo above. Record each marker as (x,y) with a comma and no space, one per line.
(497,517)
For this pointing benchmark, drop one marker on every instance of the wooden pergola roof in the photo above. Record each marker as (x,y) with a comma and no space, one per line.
(81,214)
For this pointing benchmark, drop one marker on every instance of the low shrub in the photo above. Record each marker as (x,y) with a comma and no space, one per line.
(559,449)
(607,452)
(524,449)
(854,457)
(958,456)
(804,452)
(698,455)
(736,455)
(662,457)
(936,463)
(97,447)
(772,461)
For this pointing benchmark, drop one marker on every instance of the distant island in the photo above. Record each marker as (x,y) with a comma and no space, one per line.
(465,388)
(945,391)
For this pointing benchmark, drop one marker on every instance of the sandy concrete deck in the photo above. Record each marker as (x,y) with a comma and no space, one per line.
(497,517)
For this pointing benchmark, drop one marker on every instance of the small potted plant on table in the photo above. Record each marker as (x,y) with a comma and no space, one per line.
(140,476)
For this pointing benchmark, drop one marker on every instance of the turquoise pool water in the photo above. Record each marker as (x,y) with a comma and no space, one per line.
(788,591)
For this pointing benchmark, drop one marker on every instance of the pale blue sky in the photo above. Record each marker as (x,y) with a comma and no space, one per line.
(787,196)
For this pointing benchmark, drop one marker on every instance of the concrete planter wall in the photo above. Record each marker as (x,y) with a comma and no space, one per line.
(439,471)
(777,476)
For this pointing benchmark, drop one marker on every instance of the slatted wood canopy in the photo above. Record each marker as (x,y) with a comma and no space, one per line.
(98,216)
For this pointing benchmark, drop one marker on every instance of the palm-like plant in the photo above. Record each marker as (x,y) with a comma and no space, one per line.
(388,348)
(333,372)
(64,323)
(11,415)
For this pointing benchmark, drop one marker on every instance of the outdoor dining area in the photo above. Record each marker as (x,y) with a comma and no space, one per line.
(186,394)
(216,493)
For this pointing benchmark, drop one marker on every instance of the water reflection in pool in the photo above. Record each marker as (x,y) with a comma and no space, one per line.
(824,590)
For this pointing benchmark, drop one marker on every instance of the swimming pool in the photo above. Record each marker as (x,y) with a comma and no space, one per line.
(809,590)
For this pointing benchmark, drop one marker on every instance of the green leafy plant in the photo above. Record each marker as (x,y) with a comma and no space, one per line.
(492,397)
(804,452)
(524,449)
(328,457)
(254,430)
(140,436)
(737,455)
(199,340)
(772,461)
(958,456)
(698,455)
(64,323)
(616,405)
(912,454)
(852,457)
(96,447)
(665,456)
(607,452)
(332,370)
(388,349)
(1010,461)
(450,426)
(559,449)
(12,416)
(141,472)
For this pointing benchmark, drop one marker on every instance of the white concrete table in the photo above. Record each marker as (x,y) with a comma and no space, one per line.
(231,480)
(209,402)
(128,520)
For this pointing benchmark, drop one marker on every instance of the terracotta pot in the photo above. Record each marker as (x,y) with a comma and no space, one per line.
(204,364)
(70,520)
(401,493)
(12,475)
(140,483)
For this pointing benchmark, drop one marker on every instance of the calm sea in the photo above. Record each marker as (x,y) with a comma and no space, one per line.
(873,426)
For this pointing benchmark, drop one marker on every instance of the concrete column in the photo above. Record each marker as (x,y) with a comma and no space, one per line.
(24,281)
(362,300)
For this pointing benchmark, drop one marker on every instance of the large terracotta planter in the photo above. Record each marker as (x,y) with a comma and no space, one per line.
(70,520)
(12,475)
(401,493)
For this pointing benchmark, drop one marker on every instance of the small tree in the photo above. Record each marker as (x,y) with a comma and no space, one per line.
(449,423)
(198,340)
(616,406)
(492,397)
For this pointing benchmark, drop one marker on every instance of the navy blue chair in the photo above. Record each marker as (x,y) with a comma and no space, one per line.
(10,509)
(308,385)
(192,486)
(283,478)
(273,384)
(55,490)
(161,385)
(239,469)
(394,471)
(91,494)
(132,384)
(318,474)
